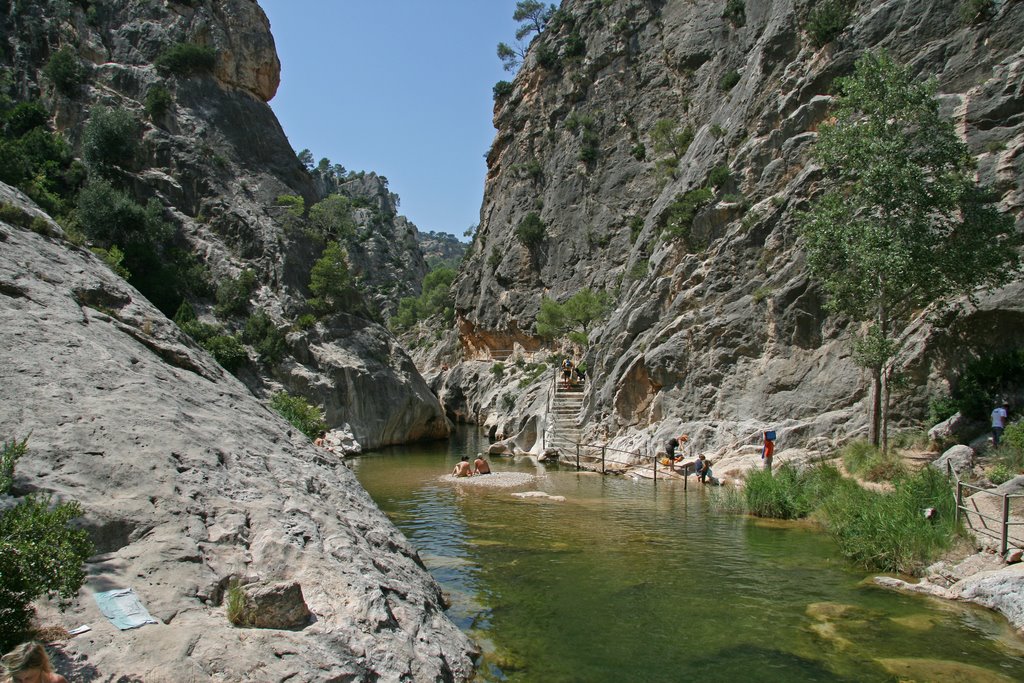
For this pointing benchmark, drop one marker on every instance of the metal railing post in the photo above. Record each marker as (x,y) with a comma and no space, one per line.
(1006,525)
(602,458)
(577,457)
(959,500)
(655,461)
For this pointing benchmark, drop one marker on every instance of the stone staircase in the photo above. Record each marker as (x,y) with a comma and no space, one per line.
(564,432)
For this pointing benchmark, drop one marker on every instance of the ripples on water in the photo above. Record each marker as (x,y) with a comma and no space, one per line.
(625,581)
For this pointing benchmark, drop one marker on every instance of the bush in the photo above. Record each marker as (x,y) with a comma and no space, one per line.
(827,19)
(304,416)
(233,294)
(23,118)
(940,409)
(889,532)
(531,230)
(264,336)
(977,11)
(331,284)
(227,351)
(498,370)
(575,46)
(547,57)
(158,102)
(678,220)
(186,59)
(110,138)
(435,298)
(729,80)
(40,553)
(332,219)
(65,71)
(109,216)
(719,176)
(1013,436)
(1001,473)
(735,12)
(502,89)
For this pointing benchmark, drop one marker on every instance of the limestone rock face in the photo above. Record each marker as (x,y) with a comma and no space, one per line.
(719,330)
(187,483)
(217,161)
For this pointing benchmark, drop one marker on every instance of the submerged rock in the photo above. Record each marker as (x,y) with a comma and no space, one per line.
(927,670)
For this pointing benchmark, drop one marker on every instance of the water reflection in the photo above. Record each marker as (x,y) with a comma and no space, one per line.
(624,581)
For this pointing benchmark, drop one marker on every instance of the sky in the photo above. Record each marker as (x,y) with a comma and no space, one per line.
(399,87)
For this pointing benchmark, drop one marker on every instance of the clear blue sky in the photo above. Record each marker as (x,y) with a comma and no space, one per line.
(399,87)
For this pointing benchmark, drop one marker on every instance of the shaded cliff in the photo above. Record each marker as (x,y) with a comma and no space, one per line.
(620,112)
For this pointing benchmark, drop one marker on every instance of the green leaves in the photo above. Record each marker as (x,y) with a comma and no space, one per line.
(303,415)
(901,223)
(40,554)
(574,317)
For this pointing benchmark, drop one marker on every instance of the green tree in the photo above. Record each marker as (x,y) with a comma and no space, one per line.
(65,71)
(332,218)
(530,230)
(331,283)
(110,138)
(574,318)
(901,224)
(670,143)
(533,16)
(40,552)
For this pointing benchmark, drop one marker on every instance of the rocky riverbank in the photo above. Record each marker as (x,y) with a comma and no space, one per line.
(189,483)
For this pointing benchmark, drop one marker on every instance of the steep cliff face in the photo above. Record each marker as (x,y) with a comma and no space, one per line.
(216,160)
(720,332)
(188,484)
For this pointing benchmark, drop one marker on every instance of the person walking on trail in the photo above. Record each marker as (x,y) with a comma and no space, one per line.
(768,450)
(462,468)
(566,372)
(999,416)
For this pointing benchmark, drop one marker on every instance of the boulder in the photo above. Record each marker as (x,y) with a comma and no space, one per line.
(274,605)
(948,430)
(959,458)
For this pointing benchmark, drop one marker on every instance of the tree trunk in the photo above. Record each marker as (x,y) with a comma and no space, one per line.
(874,408)
(886,393)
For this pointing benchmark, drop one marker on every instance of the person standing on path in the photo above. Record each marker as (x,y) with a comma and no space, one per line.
(768,450)
(999,416)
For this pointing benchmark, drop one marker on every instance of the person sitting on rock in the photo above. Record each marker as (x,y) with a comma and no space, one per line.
(702,468)
(480,465)
(462,468)
(319,440)
(29,663)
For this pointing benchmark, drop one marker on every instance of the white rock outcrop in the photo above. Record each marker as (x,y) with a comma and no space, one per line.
(188,482)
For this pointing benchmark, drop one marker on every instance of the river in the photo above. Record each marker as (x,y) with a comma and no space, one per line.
(628,581)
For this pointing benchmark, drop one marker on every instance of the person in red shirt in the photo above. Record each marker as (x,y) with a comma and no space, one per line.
(767,451)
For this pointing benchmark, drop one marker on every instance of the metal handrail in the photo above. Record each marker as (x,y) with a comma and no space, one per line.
(1003,521)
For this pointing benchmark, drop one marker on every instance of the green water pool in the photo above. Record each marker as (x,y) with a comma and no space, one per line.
(628,581)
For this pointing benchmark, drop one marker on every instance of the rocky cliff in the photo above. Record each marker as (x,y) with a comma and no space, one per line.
(194,78)
(622,108)
(189,484)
